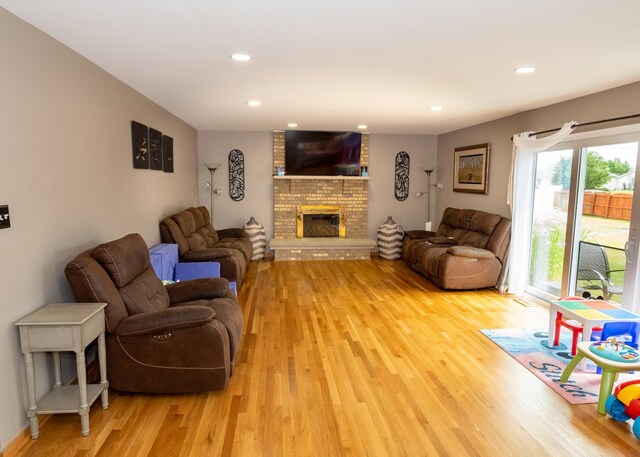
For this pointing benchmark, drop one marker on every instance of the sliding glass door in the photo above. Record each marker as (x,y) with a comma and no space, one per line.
(604,219)
(549,221)
(583,235)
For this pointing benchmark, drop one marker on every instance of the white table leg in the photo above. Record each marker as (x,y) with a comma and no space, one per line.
(587,329)
(31,386)
(57,370)
(553,311)
(82,385)
(102,359)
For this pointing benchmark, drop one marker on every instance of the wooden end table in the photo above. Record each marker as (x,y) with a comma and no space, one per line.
(64,327)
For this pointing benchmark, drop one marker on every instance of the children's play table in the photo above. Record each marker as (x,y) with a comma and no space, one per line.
(590,313)
(609,370)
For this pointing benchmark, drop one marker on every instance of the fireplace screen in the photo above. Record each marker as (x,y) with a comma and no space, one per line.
(320,221)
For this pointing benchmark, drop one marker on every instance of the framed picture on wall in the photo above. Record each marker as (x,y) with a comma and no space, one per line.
(471,169)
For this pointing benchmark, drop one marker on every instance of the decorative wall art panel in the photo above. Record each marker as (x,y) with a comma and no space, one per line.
(402,176)
(167,154)
(236,175)
(140,143)
(155,149)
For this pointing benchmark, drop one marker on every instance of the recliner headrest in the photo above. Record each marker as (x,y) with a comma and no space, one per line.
(123,259)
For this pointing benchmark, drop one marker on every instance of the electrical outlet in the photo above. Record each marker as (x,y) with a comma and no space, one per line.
(4,217)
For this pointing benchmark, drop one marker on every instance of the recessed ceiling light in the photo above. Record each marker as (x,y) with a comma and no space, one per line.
(362,126)
(254,103)
(241,57)
(435,108)
(292,124)
(525,70)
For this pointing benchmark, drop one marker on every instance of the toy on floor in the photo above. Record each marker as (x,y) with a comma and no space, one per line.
(624,404)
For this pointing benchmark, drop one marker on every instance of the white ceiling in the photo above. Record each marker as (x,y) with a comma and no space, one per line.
(334,64)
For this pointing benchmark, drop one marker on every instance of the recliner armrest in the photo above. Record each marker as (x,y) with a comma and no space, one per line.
(197,289)
(471,252)
(419,234)
(203,255)
(232,233)
(164,320)
(443,240)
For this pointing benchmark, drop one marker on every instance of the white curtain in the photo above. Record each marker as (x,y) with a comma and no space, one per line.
(520,201)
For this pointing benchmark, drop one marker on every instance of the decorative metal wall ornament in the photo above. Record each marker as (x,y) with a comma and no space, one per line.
(402,176)
(236,175)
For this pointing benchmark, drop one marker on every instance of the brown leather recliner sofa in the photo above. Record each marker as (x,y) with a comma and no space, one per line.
(176,339)
(198,241)
(466,252)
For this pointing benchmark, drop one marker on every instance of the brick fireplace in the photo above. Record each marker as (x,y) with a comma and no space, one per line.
(291,194)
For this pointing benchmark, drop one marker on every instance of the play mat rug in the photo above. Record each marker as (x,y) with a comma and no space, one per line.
(530,348)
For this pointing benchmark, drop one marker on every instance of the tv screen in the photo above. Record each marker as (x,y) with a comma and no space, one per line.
(322,153)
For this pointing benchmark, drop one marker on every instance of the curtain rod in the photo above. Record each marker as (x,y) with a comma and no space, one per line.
(601,121)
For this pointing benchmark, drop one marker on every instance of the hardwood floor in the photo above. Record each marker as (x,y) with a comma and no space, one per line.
(355,358)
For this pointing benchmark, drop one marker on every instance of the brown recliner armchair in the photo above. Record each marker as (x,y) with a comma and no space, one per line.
(176,339)
(466,252)
(198,241)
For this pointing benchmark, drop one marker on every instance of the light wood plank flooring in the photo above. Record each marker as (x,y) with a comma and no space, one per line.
(356,358)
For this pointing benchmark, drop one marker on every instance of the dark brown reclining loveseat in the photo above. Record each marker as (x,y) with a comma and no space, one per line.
(176,339)
(198,241)
(466,252)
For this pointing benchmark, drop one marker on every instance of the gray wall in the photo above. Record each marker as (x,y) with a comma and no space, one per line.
(257,147)
(621,101)
(66,174)
(411,213)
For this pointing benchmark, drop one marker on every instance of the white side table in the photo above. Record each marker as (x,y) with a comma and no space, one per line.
(65,327)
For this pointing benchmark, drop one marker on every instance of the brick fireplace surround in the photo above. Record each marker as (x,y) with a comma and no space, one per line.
(351,193)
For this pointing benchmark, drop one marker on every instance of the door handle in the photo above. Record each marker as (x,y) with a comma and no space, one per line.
(627,249)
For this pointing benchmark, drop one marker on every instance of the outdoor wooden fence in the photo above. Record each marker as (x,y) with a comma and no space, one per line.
(604,204)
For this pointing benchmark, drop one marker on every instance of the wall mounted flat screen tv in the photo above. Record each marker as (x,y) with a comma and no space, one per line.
(309,153)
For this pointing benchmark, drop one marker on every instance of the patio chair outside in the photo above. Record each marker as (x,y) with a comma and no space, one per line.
(594,272)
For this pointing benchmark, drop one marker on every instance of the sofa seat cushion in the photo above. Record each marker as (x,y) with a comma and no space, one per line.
(242,245)
(431,258)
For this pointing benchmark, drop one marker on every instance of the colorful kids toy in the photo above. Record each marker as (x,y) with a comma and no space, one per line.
(624,404)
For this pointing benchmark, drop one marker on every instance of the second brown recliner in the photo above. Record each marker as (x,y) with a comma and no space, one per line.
(198,241)
(466,252)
